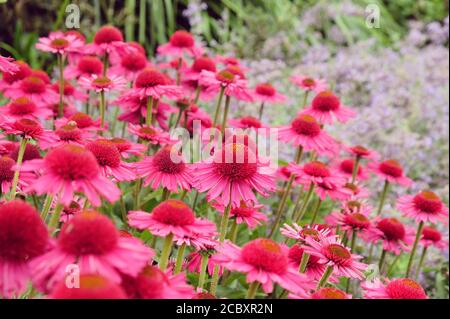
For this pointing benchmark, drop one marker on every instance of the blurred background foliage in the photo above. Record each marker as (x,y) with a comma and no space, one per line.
(222,23)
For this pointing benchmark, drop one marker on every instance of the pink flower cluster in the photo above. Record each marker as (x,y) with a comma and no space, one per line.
(91,181)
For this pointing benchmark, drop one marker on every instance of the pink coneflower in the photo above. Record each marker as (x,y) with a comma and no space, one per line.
(233,85)
(69,169)
(69,211)
(309,84)
(394,235)
(333,254)
(135,108)
(426,206)
(283,173)
(314,268)
(42,75)
(266,93)
(29,129)
(198,241)
(300,233)
(153,283)
(154,84)
(265,262)
(315,172)
(361,152)
(9,78)
(345,167)
(246,212)
(31,152)
(68,134)
(180,42)
(151,134)
(23,237)
(351,221)
(91,287)
(193,263)
(71,94)
(402,288)
(391,171)
(165,169)
(246,122)
(84,122)
(170,217)
(23,107)
(7,168)
(357,190)
(129,65)
(60,43)
(201,63)
(326,107)
(335,189)
(92,241)
(108,40)
(127,148)
(35,89)
(232,174)
(306,131)
(100,83)
(86,66)
(109,160)
(432,237)
(199,116)
(7,65)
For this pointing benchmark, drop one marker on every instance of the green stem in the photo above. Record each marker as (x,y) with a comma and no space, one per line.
(252,289)
(15,182)
(305,99)
(316,211)
(352,248)
(180,258)
(137,193)
(323,281)
(414,248)
(114,121)
(203,273)
(304,262)
(194,202)
(223,232)
(261,110)
(286,192)
(54,220)
(61,85)
(422,259)
(105,63)
(198,91)
(234,231)
(165,194)
(355,168)
(381,262)
(102,109)
(225,114)
(383,197)
(46,207)
(165,253)
(298,215)
(219,103)
(392,265)
(149,114)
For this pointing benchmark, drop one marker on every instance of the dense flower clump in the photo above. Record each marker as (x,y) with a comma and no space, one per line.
(95,177)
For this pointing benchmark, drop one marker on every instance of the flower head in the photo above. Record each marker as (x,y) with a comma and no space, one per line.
(92,241)
(425,206)
(263,261)
(23,237)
